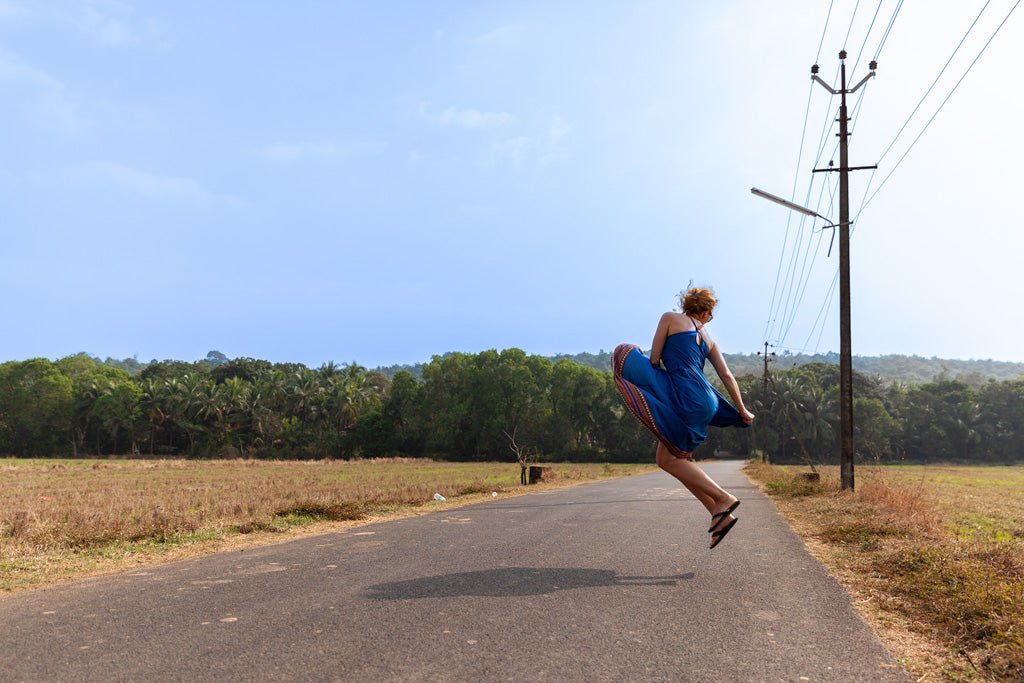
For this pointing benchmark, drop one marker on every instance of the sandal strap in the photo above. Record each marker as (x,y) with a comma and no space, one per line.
(719,515)
(717,536)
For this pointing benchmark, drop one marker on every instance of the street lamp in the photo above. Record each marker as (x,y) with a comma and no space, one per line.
(789,205)
(802,209)
(845,353)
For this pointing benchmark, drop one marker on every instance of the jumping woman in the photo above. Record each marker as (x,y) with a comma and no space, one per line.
(670,396)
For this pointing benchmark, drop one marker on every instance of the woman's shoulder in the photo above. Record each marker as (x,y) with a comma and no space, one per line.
(676,322)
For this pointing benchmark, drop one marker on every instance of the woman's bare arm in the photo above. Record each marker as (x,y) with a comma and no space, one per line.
(659,339)
(730,383)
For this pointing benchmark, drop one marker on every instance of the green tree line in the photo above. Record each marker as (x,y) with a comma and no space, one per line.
(465,406)
(893,367)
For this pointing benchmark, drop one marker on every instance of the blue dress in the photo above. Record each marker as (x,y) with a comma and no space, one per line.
(678,403)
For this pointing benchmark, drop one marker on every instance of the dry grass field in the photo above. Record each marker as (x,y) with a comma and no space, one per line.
(66,518)
(933,555)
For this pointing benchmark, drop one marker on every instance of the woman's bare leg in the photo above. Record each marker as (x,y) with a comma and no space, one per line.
(703,487)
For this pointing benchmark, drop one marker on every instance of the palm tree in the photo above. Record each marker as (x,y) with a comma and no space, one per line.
(153,405)
(790,401)
(235,394)
(187,397)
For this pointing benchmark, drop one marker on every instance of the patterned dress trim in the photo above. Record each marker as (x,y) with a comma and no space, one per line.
(635,401)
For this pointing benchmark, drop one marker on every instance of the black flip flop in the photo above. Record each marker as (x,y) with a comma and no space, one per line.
(719,515)
(717,536)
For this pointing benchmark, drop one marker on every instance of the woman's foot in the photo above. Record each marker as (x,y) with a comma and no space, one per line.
(723,514)
(720,533)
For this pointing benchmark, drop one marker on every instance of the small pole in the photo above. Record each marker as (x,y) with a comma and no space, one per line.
(764,391)
(766,369)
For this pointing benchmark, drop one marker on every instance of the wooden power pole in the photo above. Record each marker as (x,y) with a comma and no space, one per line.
(766,354)
(764,391)
(845,350)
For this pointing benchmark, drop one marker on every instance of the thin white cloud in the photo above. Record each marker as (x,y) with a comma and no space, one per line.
(556,149)
(103,27)
(14,69)
(557,128)
(468,118)
(8,10)
(473,118)
(149,185)
(48,99)
(107,22)
(508,151)
(507,34)
(291,152)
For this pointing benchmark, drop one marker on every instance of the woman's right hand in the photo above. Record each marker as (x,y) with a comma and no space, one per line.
(748,417)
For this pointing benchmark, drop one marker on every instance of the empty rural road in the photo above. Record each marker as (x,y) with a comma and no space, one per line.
(610,581)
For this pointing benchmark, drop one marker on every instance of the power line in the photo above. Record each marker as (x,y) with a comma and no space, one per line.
(806,280)
(799,269)
(803,282)
(825,310)
(831,291)
(932,86)
(826,306)
(788,315)
(860,52)
(971,66)
(822,41)
(852,17)
(885,36)
(796,173)
(773,311)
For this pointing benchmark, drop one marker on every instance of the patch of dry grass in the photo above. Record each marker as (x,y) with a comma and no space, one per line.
(934,556)
(60,518)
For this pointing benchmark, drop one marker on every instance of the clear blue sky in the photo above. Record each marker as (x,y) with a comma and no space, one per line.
(380,182)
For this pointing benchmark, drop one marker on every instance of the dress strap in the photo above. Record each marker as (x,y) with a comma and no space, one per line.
(697,326)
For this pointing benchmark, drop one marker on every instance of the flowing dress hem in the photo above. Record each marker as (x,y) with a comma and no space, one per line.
(637,403)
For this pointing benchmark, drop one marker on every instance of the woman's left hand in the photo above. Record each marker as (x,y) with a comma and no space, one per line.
(748,417)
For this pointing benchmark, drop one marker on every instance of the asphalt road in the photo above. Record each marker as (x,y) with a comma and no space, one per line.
(609,581)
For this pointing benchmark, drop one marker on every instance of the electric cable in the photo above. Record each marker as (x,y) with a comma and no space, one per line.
(885,36)
(796,173)
(852,17)
(929,123)
(804,280)
(860,52)
(932,86)
(830,294)
(822,41)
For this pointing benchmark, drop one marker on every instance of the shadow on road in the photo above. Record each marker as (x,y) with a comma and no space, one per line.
(512,582)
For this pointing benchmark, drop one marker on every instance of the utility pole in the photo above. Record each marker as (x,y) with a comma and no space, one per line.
(845,350)
(764,392)
(766,354)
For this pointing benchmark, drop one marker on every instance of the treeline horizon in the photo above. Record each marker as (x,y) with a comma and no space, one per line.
(912,369)
(468,407)
(891,367)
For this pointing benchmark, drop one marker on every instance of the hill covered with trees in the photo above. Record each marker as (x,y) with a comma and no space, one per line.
(889,368)
(893,367)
